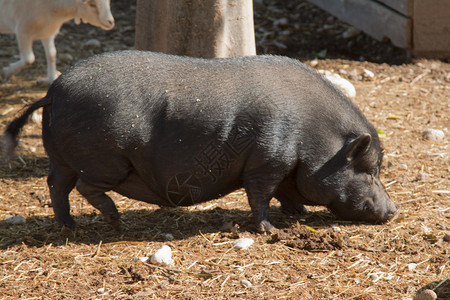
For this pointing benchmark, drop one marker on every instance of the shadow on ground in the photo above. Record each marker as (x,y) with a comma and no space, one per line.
(149,225)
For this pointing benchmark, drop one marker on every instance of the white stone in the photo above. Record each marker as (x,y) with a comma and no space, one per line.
(412,266)
(246,283)
(433,134)
(92,44)
(141,259)
(281,22)
(402,166)
(368,74)
(342,84)
(163,256)
(314,63)
(36,117)
(243,243)
(66,58)
(169,236)
(336,228)
(350,33)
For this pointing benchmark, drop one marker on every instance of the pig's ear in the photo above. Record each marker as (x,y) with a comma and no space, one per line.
(359,146)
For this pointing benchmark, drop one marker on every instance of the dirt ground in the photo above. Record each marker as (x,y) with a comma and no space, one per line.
(314,256)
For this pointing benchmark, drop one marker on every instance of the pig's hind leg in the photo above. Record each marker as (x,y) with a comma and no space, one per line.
(61,181)
(95,195)
(290,198)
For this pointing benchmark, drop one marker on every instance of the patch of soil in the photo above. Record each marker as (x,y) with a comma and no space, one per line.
(313,256)
(306,238)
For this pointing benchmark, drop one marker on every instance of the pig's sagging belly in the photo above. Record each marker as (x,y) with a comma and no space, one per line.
(182,189)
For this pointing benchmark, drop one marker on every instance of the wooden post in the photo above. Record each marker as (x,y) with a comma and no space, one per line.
(200,28)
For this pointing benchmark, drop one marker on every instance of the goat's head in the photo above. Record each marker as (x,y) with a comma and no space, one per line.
(95,12)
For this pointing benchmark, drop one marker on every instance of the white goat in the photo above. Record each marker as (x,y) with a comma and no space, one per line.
(32,20)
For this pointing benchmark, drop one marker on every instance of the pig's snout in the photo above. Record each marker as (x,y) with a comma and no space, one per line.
(379,210)
(383,207)
(392,211)
(376,209)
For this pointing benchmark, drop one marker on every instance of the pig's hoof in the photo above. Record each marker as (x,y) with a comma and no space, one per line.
(113,219)
(68,231)
(297,209)
(266,227)
(66,223)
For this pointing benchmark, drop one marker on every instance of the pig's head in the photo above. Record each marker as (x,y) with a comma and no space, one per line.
(349,184)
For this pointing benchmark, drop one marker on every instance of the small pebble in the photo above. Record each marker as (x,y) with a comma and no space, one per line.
(354,75)
(283,22)
(425,229)
(92,44)
(426,295)
(336,228)
(101,290)
(350,33)
(246,283)
(368,74)
(433,134)
(243,243)
(36,117)
(141,259)
(163,256)
(65,58)
(412,266)
(423,176)
(402,167)
(314,63)
(15,220)
(169,236)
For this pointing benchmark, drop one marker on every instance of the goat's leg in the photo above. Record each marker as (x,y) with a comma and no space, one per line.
(25,43)
(50,54)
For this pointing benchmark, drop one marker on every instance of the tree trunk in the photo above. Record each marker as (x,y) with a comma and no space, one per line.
(200,28)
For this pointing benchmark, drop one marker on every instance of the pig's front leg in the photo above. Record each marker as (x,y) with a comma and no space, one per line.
(260,189)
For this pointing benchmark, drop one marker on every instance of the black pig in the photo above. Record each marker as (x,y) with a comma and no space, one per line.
(175,131)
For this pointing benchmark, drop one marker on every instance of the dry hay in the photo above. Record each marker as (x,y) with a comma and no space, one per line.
(316,256)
